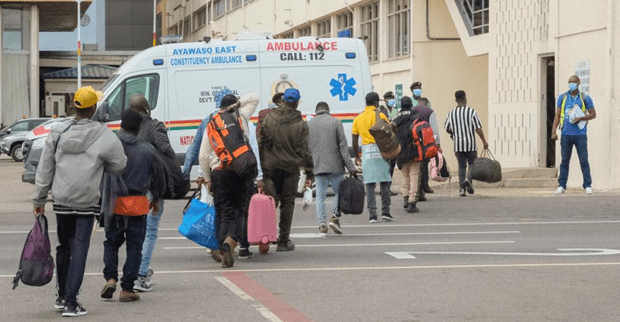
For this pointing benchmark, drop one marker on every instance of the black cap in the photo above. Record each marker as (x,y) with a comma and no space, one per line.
(228,100)
(131,120)
(372,97)
(415,84)
(388,94)
(406,102)
(460,94)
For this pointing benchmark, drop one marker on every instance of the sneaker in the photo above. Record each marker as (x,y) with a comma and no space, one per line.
(469,187)
(588,191)
(322,230)
(462,192)
(411,208)
(289,246)
(128,296)
(109,287)
(387,217)
(373,219)
(149,277)
(245,253)
(226,252)
(140,285)
(60,304)
(334,224)
(74,310)
(560,190)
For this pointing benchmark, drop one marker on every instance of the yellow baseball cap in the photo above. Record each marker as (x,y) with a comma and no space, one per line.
(86,97)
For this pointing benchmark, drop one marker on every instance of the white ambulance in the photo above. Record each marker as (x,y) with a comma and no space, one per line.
(180,80)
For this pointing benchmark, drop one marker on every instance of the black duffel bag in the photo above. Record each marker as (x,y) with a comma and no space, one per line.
(351,196)
(486,169)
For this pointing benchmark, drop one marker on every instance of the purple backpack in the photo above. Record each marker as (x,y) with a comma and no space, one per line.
(36,266)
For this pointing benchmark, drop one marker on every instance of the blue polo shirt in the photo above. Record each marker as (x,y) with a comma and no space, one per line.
(568,128)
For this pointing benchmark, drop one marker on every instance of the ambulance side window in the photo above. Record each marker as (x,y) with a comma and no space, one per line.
(115,104)
(118,101)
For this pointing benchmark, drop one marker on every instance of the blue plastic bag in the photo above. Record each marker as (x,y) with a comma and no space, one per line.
(199,224)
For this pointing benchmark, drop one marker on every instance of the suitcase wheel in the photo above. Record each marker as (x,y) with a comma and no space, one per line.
(263,248)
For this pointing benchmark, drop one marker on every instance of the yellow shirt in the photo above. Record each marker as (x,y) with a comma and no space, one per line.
(365,121)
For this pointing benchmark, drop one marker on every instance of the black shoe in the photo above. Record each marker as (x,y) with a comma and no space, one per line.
(285,247)
(372,219)
(422,196)
(428,189)
(387,217)
(393,193)
(469,187)
(462,192)
(74,310)
(245,253)
(60,304)
(406,202)
(411,208)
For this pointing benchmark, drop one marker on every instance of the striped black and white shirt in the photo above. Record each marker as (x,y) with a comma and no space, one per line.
(462,122)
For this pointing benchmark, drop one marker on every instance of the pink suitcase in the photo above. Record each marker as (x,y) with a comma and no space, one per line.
(262,222)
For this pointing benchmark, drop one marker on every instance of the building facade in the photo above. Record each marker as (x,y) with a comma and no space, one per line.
(513,58)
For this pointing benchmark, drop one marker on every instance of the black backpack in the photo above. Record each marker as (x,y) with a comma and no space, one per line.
(177,184)
(351,195)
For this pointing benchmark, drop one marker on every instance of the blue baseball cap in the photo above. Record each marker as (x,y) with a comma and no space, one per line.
(291,95)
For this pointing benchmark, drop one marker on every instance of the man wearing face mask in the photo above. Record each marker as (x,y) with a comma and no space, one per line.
(574,131)
(417,99)
(390,105)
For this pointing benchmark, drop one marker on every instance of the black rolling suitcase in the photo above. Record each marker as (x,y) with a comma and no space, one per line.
(351,195)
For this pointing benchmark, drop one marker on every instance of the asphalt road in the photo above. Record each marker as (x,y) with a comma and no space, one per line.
(500,255)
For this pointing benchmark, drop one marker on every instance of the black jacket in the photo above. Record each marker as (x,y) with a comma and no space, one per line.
(403,120)
(283,142)
(155,133)
(141,173)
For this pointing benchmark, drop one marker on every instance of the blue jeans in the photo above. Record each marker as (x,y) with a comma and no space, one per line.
(152,225)
(386,198)
(322,183)
(581,144)
(132,234)
(73,242)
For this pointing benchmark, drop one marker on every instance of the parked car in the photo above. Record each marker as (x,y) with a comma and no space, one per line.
(33,147)
(12,137)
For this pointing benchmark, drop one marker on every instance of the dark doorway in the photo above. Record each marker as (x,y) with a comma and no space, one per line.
(549,64)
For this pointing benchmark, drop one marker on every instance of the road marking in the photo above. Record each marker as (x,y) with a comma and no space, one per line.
(381,244)
(364,268)
(580,252)
(244,296)
(277,308)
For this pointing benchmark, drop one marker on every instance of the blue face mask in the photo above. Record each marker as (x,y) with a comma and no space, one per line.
(391,103)
(572,87)
(417,92)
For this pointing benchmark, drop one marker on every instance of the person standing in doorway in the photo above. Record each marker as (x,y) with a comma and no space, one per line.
(73,160)
(462,124)
(574,131)
(330,154)
(374,167)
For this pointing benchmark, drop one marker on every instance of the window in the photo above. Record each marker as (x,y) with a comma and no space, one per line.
(370,29)
(21,126)
(304,32)
(324,28)
(219,8)
(118,101)
(15,29)
(476,14)
(398,16)
(200,17)
(174,30)
(187,31)
(344,22)
(235,4)
(158,27)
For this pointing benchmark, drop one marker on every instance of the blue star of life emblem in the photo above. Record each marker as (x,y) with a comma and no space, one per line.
(343,87)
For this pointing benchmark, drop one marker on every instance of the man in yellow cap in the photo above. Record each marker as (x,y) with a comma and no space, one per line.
(75,155)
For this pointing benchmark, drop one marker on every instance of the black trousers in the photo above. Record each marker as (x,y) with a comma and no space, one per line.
(465,158)
(282,186)
(231,198)
(73,242)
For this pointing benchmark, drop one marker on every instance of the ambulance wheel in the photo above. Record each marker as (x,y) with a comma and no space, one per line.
(263,248)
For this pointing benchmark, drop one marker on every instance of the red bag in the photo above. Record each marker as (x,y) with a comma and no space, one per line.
(262,222)
(131,206)
(424,140)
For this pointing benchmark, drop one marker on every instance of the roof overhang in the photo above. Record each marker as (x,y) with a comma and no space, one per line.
(54,15)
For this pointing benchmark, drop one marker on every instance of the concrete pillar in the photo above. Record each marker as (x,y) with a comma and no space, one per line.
(34,61)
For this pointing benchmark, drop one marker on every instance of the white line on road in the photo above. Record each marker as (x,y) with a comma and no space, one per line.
(381,244)
(244,296)
(579,252)
(313,235)
(367,268)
